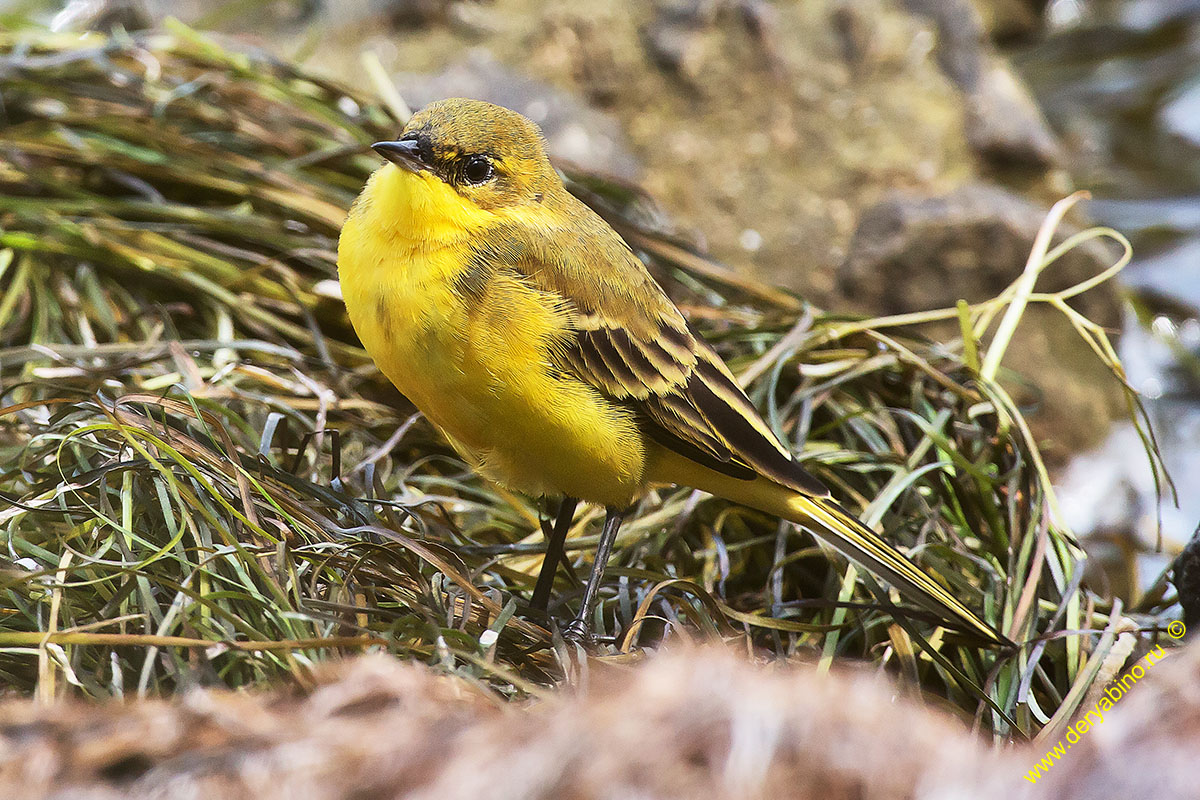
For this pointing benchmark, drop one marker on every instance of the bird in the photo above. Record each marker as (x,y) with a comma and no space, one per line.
(529,332)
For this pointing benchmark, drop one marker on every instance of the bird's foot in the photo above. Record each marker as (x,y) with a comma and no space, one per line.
(579,632)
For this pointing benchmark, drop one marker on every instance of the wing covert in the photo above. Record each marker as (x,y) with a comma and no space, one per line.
(629,341)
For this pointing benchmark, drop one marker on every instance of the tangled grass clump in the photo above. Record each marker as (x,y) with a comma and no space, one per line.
(204,479)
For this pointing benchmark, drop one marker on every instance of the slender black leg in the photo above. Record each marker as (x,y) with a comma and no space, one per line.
(579,627)
(540,601)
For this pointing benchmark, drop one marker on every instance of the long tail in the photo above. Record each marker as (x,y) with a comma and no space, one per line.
(863,546)
(825,518)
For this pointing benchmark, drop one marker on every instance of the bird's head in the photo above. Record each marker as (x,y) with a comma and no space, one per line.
(475,152)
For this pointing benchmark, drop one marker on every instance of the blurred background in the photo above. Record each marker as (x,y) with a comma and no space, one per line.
(877,157)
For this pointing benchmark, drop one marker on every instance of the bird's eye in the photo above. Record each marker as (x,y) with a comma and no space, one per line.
(478,170)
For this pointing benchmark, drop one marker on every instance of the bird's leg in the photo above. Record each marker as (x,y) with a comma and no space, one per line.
(540,601)
(579,627)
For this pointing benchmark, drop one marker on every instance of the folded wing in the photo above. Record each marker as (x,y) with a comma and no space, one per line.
(627,339)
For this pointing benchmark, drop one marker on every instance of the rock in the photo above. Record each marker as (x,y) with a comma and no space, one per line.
(417,13)
(693,723)
(913,252)
(700,723)
(674,38)
(1186,577)
(1004,124)
(962,39)
(1154,725)
(1005,20)
(677,38)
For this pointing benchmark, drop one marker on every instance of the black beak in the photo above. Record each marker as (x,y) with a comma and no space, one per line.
(405,153)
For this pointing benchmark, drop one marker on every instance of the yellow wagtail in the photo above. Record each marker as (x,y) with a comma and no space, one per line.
(525,328)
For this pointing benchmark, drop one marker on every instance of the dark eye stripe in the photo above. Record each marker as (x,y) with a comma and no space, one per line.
(426,146)
(453,166)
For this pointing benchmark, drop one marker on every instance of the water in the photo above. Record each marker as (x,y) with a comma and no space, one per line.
(1120,81)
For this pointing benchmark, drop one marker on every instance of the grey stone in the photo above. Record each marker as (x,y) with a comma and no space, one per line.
(914,253)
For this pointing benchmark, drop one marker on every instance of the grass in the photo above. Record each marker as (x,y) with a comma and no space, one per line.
(205,480)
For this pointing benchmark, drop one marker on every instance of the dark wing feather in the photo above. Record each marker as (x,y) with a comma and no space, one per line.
(629,341)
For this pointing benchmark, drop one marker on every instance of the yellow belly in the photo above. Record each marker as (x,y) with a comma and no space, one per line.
(479,366)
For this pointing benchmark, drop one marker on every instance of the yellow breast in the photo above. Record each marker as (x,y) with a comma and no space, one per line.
(478,366)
